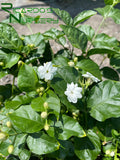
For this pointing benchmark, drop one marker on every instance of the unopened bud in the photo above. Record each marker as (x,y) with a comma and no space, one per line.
(1,64)
(40,94)
(45,105)
(46,127)
(32,45)
(44,115)
(38,90)
(9,124)
(71,64)
(2,136)
(20,63)
(75,59)
(22,38)
(42,89)
(10,149)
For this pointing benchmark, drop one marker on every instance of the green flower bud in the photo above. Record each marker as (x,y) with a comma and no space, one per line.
(9,124)
(20,63)
(75,59)
(22,38)
(2,136)
(42,89)
(40,94)
(1,64)
(45,105)
(46,127)
(71,64)
(10,149)
(44,115)
(38,90)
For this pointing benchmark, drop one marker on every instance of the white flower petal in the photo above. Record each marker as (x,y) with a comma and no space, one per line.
(73,92)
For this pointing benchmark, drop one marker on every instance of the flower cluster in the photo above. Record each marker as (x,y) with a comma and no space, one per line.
(73,92)
(47,71)
(89,75)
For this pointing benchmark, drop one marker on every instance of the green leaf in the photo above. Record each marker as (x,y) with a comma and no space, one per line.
(64,15)
(3,73)
(9,37)
(104,100)
(88,30)
(89,66)
(37,40)
(18,101)
(40,143)
(18,144)
(4,147)
(66,128)
(115,61)
(77,38)
(11,59)
(103,40)
(81,17)
(59,84)
(89,147)
(102,50)
(53,33)
(110,73)
(66,150)
(24,154)
(6,91)
(27,78)
(26,119)
(109,11)
(51,98)
(111,2)
(61,61)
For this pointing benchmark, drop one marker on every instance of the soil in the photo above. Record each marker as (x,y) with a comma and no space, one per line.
(73,7)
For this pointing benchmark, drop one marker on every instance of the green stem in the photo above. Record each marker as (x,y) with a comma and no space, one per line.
(13,85)
(104,18)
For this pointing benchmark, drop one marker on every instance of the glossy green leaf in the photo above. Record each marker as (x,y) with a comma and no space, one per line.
(109,11)
(26,119)
(37,40)
(89,147)
(61,61)
(89,66)
(24,154)
(88,30)
(104,100)
(27,78)
(64,15)
(102,50)
(11,59)
(9,37)
(18,101)
(77,38)
(40,143)
(4,147)
(110,73)
(83,16)
(103,40)
(67,127)
(115,61)
(6,91)
(3,73)
(51,98)
(18,144)
(66,150)
(111,2)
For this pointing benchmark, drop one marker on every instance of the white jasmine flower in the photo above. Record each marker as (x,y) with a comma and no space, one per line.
(112,154)
(73,92)
(89,75)
(47,71)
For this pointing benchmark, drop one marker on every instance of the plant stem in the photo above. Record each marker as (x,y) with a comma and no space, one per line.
(104,18)
(13,85)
